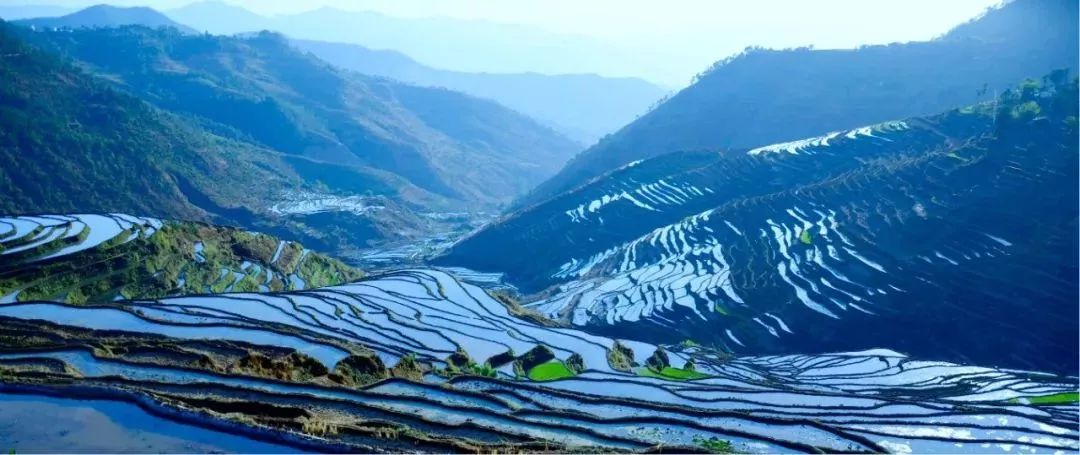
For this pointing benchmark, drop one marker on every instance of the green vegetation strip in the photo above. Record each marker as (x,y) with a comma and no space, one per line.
(714,445)
(671,373)
(550,371)
(1054,399)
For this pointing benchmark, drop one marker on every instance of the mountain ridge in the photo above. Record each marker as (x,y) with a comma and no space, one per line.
(441,42)
(285,119)
(603,104)
(763,96)
(305,107)
(966,215)
(104,15)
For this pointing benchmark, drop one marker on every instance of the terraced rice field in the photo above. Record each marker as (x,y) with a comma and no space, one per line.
(867,401)
(99,257)
(888,234)
(690,263)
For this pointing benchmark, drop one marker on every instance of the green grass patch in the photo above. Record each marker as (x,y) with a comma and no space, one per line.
(1054,399)
(671,373)
(550,371)
(714,445)
(484,369)
(689,343)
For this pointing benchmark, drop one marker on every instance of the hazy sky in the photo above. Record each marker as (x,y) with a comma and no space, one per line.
(699,30)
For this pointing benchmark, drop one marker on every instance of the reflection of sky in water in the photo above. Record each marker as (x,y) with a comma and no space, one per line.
(32,423)
(110,319)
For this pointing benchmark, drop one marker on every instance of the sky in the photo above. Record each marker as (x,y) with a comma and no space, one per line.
(701,31)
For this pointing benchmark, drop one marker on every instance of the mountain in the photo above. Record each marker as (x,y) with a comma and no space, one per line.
(473,46)
(584,107)
(924,235)
(907,286)
(72,143)
(102,257)
(107,16)
(220,18)
(581,106)
(764,96)
(335,160)
(15,12)
(266,91)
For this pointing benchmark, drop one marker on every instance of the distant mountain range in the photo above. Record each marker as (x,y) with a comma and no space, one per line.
(220,18)
(107,16)
(584,107)
(765,96)
(247,130)
(448,43)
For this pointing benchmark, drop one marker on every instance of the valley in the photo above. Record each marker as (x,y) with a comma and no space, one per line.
(221,235)
(306,145)
(420,359)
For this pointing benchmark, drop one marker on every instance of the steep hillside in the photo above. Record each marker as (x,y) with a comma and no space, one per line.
(107,16)
(72,143)
(922,235)
(764,96)
(261,89)
(103,257)
(581,106)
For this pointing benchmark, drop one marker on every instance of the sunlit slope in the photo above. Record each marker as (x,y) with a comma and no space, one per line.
(104,257)
(926,235)
(260,89)
(72,143)
(765,96)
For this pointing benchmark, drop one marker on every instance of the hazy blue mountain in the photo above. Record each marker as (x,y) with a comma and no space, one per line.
(15,12)
(258,134)
(108,16)
(461,147)
(582,106)
(764,96)
(447,43)
(924,235)
(220,18)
